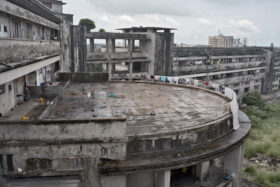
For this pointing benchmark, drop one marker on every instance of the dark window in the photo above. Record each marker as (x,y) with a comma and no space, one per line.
(2,89)
(1,162)
(5,29)
(10,162)
(38,163)
(10,87)
(56,66)
(246,90)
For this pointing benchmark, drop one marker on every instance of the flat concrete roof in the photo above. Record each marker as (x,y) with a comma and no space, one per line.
(154,28)
(149,107)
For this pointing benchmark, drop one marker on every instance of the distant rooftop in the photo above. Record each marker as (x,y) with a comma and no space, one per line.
(144,29)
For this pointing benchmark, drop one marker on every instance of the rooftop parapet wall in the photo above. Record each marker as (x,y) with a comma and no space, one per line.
(209,51)
(101,130)
(13,50)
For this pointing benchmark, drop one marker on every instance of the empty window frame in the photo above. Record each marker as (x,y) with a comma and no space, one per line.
(2,89)
(15,29)
(120,45)
(100,46)
(5,28)
(136,46)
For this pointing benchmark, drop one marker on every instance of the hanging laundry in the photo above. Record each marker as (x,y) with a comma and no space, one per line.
(195,83)
(163,79)
(157,78)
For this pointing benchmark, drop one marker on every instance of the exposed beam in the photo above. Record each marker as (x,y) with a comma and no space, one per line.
(109,35)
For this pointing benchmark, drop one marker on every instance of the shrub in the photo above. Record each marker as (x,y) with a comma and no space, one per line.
(254,99)
(251,170)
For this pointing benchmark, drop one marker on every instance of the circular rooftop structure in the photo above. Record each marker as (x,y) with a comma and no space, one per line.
(150,108)
(129,127)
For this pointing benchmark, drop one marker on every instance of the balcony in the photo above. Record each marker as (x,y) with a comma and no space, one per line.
(116,57)
(239,79)
(218,67)
(14,50)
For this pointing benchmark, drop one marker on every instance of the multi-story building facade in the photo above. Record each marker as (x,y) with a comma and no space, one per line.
(29,49)
(221,41)
(242,69)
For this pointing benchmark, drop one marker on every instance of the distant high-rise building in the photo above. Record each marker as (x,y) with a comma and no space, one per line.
(221,41)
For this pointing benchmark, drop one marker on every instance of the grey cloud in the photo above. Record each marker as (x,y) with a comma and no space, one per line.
(137,7)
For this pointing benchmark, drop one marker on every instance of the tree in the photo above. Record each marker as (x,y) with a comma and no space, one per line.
(254,99)
(102,30)
(88,23)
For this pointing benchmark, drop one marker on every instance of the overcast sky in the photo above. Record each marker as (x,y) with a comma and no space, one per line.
(195,19)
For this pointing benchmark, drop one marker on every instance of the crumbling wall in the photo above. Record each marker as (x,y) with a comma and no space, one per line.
(209,51)
(163,53)
(66,43)
(62,145)
(83,77)
(12,50)
(7,99)
(268,79)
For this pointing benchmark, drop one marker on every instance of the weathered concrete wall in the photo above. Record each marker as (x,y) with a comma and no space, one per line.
(78,49)
(62,130)
(186,140)
(83,77)
(17,11)
(66,43)
(12,50)
(7,99)
(196,69)
(267,81)
(43,182)
(164,43)
(209,51)
(4,20)
(141,180)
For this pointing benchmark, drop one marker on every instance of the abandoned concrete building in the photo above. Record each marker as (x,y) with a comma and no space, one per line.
(30,51)
(63,124)
(242,69)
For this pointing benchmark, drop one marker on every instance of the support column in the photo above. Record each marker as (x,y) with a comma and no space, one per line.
(163,178)
(113,181)
(202,170)
(140,180)
(91,178)
(130,46)
(109,52)
(91,49)
(233,162)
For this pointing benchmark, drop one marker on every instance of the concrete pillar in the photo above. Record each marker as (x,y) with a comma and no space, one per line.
(163,178)
(130,46)
(113,181)
(140,180)
(109,47)
(202,170)
(91,178)
(91,48)
(233,162)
